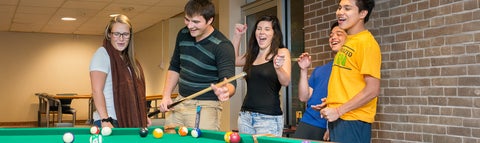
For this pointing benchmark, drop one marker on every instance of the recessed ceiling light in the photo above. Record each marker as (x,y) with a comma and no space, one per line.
(113,15)
(69,18)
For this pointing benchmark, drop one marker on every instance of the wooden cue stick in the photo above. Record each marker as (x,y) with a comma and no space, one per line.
(199,93)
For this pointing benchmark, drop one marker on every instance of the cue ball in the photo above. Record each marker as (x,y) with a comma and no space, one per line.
(183,131)
(106,131)
(157,133)
(143,132)
(305,141)
(235,137)
(68,137)
(196,133)
(94,130)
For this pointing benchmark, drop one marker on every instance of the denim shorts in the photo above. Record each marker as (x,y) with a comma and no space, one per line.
(257,123)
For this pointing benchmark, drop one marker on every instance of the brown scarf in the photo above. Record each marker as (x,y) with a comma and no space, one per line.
(128,91)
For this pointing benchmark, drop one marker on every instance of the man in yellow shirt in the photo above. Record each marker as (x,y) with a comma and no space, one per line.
(355,79)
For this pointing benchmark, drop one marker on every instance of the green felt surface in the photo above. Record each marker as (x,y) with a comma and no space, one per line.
(124,135)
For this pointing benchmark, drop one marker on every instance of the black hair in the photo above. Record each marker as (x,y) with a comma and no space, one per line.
(366,5)
(335,24)
(253,49)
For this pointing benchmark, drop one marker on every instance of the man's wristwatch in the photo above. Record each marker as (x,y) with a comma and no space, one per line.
(109,119)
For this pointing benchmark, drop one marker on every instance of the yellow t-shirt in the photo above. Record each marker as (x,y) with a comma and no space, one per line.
(359,56)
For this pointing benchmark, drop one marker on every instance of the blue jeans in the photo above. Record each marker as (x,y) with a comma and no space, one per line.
(257,123)
(346,131)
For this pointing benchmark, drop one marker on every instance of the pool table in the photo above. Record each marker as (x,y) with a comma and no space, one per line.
(126,135)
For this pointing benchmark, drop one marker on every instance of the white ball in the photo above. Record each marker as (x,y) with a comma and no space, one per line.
(194,133)
(68,137)
(106,131)
(94,130)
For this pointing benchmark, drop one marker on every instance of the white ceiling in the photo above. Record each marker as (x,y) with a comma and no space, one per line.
(92,15)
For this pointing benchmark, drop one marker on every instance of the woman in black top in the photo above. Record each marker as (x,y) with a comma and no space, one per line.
(267,64)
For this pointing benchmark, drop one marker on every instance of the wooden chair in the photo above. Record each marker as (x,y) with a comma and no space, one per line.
(43,109)
(51,106)
(64,106)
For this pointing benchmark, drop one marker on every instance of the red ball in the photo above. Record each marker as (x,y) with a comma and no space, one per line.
(235,137)
(94,130)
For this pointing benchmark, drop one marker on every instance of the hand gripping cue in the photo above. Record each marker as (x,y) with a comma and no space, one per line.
(199,93)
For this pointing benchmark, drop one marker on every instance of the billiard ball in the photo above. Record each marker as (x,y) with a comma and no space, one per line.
(305,141)
(226,137)
(143,132)
(196,132)
(106,131)
(183,131)
(157,133)
(68,137)
(96,138)
(94,130)
(235,137)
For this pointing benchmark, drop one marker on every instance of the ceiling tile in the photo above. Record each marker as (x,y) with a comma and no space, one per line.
(9,2)
(92,15)
(26,27)
(39,19)
(85,4)
(36,10)
(139,2)
(7,10)
(43,3)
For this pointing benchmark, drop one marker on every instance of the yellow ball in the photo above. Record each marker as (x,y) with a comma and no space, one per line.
(226,137)
(157,133)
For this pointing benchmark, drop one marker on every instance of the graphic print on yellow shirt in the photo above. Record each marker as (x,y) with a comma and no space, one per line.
(359,56)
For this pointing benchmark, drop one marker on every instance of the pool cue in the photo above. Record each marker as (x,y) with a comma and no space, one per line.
(199,93)
(197,118)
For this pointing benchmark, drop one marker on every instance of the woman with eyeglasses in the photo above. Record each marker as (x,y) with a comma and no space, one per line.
(118,83)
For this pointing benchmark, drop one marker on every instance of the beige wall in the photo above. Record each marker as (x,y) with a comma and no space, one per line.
(230,14)
(58,63)
(153,52)
(52,63)
(154,47)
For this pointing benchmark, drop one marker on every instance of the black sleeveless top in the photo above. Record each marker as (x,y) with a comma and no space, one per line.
(263,90)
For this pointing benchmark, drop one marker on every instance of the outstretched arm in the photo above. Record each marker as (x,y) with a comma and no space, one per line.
(304,90)
(240,30)
(170,83)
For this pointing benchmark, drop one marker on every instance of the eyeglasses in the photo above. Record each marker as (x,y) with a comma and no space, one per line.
(118,34)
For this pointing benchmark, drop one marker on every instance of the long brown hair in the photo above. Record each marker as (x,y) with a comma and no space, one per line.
(129,52)
(253,49)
